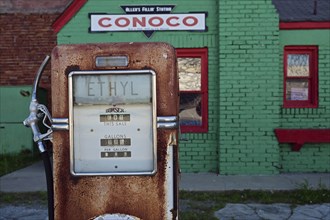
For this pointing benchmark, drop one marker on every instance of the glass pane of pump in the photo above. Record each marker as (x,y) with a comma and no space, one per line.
(112,122)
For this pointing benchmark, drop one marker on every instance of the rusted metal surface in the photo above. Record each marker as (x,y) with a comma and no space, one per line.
(89,196)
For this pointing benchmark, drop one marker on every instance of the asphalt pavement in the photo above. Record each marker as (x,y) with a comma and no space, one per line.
(32,179)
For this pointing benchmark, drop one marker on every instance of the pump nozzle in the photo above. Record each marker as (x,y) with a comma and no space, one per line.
(35,107)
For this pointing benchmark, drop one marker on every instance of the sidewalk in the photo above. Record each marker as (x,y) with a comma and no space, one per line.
(32,179)
(29,179)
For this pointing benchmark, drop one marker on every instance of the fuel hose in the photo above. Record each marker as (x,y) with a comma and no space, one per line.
(49,180)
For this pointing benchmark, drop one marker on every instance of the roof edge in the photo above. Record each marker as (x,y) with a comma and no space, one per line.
(68,13)
(304,25)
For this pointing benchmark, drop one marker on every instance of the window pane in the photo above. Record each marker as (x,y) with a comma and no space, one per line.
(190,109)
(189,74)
(297,89)
(298,65)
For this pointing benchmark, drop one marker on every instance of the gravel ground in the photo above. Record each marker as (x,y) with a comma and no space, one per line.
(34,211)
(38,211)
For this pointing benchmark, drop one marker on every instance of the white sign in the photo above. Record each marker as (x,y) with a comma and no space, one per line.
(148,22)
(112,122)
(114,89)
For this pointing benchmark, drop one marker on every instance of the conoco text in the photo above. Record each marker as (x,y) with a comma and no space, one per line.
(156,21)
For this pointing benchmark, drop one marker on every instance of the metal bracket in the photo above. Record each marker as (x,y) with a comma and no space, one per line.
(167,122)
(60,124)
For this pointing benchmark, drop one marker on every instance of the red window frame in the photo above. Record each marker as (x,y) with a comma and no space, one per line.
(312,101)
(201,53)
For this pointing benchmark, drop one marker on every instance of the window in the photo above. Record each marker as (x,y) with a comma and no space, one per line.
(300,77)
(192,70)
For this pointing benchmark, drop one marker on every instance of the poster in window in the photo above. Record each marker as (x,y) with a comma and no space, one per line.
(299,94)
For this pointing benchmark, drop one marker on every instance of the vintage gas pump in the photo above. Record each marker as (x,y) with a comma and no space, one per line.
(115,144)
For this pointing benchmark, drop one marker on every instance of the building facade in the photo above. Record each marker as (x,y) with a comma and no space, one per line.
(249,76)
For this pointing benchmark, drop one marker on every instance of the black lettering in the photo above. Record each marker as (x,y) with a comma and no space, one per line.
(90,89)
(124,87)
(101,87)
(132,89)
(112,87)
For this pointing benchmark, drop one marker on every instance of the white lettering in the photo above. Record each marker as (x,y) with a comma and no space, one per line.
(149,9)
(132,9)
(168,9)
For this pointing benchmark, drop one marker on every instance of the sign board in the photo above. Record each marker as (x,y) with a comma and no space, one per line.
(148,22)
(147,9)
(112,122)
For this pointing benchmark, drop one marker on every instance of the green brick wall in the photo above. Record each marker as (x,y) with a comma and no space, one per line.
(198,152)
(312,157)
(249,91)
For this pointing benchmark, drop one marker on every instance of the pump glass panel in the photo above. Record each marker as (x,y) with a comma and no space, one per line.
(112,122)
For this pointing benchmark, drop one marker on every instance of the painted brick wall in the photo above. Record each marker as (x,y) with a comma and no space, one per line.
(249,90)
(312,157)
(25,41)
(198,152)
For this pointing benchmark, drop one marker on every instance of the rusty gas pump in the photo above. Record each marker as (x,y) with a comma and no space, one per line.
(115,148)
